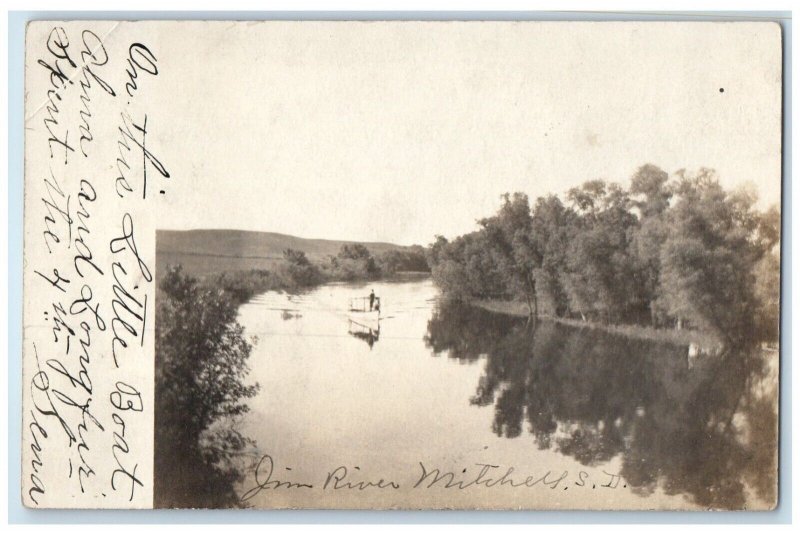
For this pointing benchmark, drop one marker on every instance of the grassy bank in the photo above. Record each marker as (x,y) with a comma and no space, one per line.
(673,336)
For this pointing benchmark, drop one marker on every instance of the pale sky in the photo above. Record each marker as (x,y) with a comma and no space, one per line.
(401,131)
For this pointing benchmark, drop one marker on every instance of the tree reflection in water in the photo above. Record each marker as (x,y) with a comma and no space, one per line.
(708,432)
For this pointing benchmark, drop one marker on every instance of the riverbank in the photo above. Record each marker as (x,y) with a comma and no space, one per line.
(673,336)
(244,285)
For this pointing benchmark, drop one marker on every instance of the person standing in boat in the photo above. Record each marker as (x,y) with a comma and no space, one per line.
(371,299)
(378,305)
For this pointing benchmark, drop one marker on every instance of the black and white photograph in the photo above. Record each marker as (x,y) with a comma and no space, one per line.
(405,265)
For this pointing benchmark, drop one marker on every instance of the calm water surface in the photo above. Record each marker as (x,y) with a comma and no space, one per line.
(456,388)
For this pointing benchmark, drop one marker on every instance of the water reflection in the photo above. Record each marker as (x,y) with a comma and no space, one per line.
(706,431)
(367,333)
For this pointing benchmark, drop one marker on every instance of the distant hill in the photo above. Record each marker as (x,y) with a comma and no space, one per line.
(210,251)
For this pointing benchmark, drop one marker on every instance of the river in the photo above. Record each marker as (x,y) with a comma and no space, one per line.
(633,424)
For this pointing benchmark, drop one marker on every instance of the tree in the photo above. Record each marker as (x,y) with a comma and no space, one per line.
(467,267)
(437,250)
(598,271)
(295,257)
(708,257)
(550,227)
(767,274)
(354,261)
(200,390)
(300,271)
(650,191)
(407,259)
(652,194)
(587,198)
(769,230)
(510,242)
(354,251)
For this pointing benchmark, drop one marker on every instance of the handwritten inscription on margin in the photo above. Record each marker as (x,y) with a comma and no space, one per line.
(89,283)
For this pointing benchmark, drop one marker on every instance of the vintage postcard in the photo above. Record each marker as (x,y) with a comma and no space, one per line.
(402,265)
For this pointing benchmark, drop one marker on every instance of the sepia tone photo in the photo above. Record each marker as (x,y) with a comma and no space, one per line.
(443,265)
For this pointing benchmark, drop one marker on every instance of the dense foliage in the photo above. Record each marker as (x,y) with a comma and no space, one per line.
(666,253)
(200,391)
(411,259)
(355,262)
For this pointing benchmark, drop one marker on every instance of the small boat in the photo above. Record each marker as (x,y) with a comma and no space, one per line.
(361,305)
(361,313)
